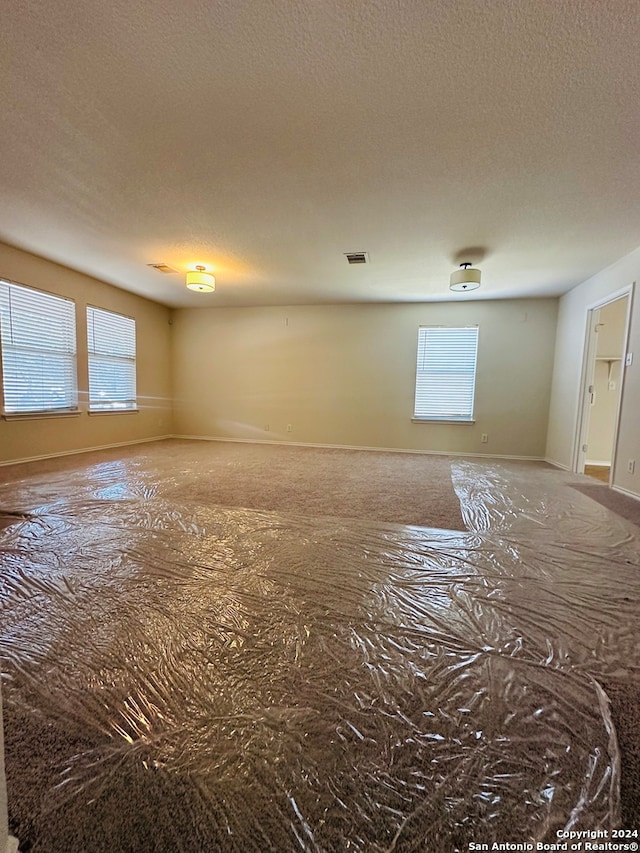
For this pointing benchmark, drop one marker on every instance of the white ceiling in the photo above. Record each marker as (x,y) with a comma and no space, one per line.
(265,138)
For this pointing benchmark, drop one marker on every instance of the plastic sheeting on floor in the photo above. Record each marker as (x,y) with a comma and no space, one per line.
(180,677)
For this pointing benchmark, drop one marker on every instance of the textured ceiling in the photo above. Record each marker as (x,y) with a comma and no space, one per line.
(266,138)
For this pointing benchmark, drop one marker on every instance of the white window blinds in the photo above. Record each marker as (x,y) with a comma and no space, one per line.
(38,336)
(111,340)
(446,373)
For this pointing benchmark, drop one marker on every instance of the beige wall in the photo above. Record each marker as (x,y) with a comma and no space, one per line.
(611,323)
(344,375)
(22,439)
(602,415)
(570,341)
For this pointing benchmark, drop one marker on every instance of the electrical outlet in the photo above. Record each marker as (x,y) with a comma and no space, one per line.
(289,427)
(631,466)
(484,438)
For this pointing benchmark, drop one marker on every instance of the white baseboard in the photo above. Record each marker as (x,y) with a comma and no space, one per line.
(84,450)
(359,447)
(626,492)
(598,463)
(556,464)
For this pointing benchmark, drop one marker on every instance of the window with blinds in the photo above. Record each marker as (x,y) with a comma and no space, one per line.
(446,373)
(38,339)
(111,342)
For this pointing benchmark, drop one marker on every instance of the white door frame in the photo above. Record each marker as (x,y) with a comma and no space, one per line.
(587,378)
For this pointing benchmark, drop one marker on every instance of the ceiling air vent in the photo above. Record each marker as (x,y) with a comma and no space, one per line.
(357,257)
(162,268)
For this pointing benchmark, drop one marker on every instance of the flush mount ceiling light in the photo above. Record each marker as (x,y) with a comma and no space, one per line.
(200,280)
(464,279)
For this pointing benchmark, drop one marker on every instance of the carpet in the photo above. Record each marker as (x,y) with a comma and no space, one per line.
(622,505)
(402,488)
(189,675)
(399,488)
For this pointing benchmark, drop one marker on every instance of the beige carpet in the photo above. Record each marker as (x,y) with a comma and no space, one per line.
(401,488)
(407,488)
(622,505)
(178,668)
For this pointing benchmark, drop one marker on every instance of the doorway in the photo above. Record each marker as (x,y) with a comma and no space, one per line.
(603,373)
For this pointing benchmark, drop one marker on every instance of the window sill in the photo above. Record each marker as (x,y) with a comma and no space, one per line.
(112,412)
(35,416)
(439,421)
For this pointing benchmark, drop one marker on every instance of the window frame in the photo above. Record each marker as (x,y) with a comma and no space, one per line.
(420,412)
(130,404)
(67,356)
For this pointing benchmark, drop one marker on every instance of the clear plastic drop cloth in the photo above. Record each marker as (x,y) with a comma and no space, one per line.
(183,677)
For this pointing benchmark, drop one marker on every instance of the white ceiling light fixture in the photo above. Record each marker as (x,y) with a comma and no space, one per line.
(465,279)
(201,281)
